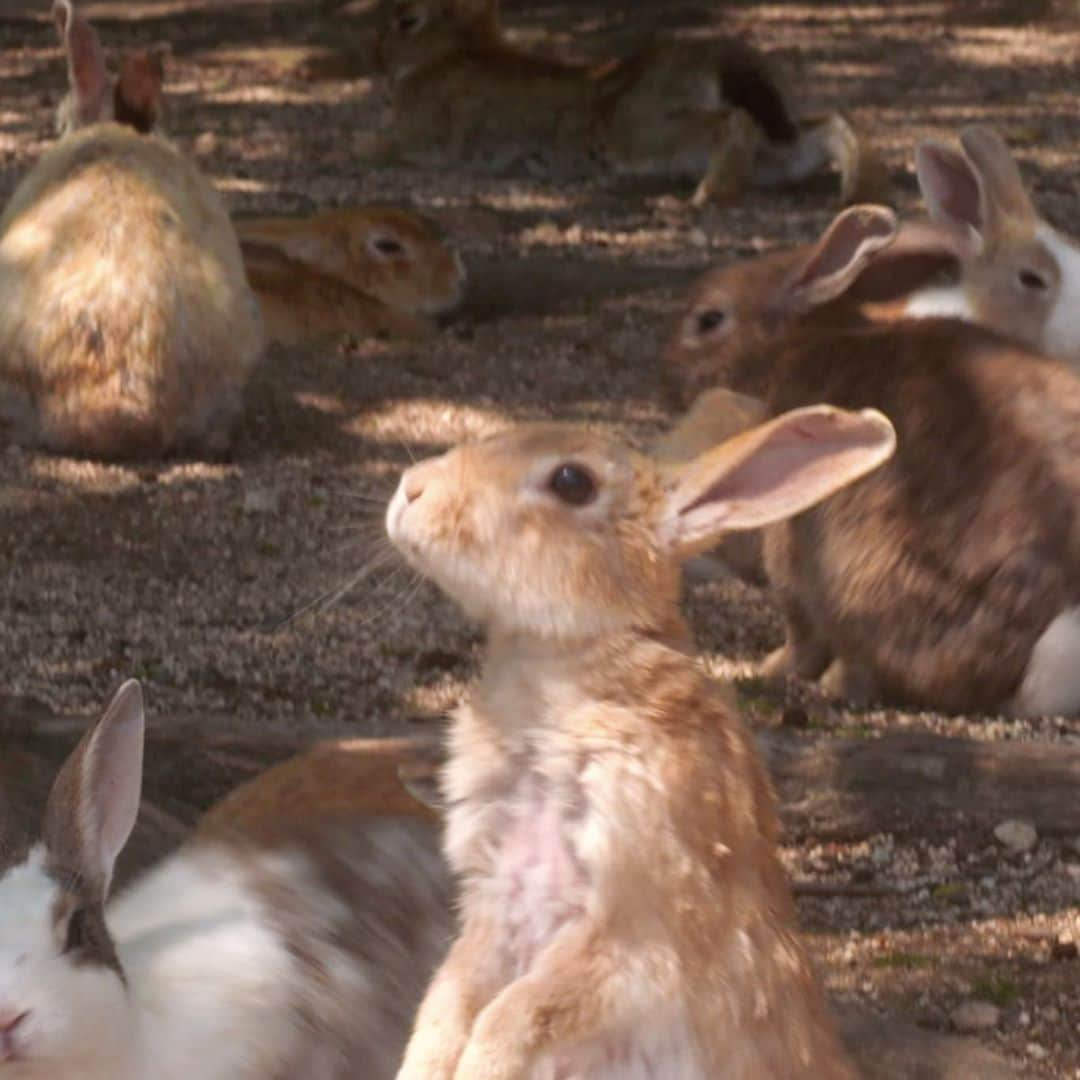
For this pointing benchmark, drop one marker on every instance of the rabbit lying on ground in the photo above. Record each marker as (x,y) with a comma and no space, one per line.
(361,271)
(127,327)
(715,113)
(298,953)
(624,910)
(950,578)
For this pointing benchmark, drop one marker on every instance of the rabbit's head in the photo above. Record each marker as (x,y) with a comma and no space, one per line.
(737,313)
(1020,276)
(565,533)
(63,996)
(414,33)
(94,97)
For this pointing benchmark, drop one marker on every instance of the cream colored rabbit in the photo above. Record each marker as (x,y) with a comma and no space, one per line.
(624,911)
(361,271)
(299,950)
(127,327)
(1019,275)
(713,113)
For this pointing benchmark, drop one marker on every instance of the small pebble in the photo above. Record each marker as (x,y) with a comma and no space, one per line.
(973,1016)
(1017,836)
(1034,1050)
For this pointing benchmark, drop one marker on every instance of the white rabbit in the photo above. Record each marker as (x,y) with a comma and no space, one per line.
(302,956)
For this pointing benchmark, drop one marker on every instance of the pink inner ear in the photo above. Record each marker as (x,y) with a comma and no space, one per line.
(949,185)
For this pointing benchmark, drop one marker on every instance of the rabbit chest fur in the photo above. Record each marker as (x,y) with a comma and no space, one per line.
(127,326)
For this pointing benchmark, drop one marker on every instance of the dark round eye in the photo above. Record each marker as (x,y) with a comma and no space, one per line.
(708,321)
(408,23)
(79,933)
(387,245)
(1030,279)
(573,484)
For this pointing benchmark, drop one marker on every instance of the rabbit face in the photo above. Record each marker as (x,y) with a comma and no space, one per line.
(61,987)
(542,530)
(414,33)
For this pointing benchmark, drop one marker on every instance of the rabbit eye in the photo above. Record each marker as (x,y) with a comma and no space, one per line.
(408,23)
(1029,279)
(79,934)
(572,484)
(711,320)
(387,245)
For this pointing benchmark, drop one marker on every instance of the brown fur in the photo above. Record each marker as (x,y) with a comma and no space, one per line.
(713,113)
(931,581)
(326,275)
(591,710)
(335,780)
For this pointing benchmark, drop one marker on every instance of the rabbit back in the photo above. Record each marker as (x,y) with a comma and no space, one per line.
(127,326)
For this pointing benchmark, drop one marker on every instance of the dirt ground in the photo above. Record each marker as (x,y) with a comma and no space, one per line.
(180,573)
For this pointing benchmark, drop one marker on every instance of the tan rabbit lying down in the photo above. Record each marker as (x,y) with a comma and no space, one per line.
(299,953)
(950,578)
(714,113)
(624,910)
(127,327)
(360,271)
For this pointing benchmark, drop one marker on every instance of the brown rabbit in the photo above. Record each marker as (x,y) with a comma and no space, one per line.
(714,113)
(1019,275)
(950,578)
(624,911)
(361,271)
(127,327)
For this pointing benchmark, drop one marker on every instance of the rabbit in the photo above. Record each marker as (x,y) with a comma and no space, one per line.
(623,909)
(1019,275)
(359,271)
(949,579)
(714,113)
(303,956)
(127,327)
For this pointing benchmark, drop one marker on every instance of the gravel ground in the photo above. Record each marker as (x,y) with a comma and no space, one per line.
(181,572)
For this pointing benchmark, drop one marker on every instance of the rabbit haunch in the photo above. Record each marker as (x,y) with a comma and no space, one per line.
(232,959)
(624,912)
(127,327)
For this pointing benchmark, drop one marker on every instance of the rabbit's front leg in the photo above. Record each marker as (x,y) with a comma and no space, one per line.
(459,990)
(567,998)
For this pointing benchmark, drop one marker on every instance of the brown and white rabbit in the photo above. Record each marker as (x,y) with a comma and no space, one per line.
(301,957)
(1019,275)
(950,578)
(714,113)
(624,911)
(127,327)
(361,271)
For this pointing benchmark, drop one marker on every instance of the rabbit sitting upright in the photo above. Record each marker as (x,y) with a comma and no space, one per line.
(127,327)
(714,113)
(300,952)
(624,910)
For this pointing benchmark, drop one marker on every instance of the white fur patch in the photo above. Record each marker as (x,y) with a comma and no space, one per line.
(1062,335)
(940,302)
(1051,685)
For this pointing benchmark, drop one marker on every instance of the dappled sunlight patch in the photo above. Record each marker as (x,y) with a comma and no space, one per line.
(428,421)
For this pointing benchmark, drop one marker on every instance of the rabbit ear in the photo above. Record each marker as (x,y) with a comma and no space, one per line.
(137,96)
(1001,186)
(772,472)
(95,799)
(837,258)
(86,61)
(922,254)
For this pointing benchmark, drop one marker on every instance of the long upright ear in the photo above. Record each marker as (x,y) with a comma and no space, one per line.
(1002,187)
(86,62)
(95,799)
(773,472)
(137,95)
(923,254)
(975,192)
(837,258)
